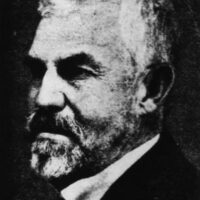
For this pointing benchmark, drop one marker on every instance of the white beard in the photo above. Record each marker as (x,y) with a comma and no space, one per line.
(55,155)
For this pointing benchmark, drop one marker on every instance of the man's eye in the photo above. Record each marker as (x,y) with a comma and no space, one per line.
(77,67)
(75,73)
(36,67)
(37,72)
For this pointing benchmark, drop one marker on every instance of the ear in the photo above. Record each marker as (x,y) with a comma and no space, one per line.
(154,87)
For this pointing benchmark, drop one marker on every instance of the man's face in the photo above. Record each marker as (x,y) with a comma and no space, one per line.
(84,96)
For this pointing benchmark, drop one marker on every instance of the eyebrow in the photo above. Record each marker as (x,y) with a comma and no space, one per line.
(77,60)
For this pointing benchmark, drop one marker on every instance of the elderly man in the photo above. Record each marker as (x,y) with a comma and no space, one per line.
(101,70)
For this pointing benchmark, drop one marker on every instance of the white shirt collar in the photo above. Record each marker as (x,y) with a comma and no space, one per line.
(93,188)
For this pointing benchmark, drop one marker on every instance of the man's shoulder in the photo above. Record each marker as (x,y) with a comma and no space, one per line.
(162,174)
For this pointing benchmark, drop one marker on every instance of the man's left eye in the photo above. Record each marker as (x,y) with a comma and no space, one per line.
(76,73)
(78,67)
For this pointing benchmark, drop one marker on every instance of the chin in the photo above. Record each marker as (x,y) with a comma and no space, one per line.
(54,156)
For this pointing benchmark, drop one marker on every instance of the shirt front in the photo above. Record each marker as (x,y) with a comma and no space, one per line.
(94,188)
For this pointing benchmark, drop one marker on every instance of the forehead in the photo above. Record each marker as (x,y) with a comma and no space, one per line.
(67,23)
(64,7)
(67,29)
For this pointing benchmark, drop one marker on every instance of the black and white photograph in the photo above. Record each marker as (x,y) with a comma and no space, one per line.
(100,99)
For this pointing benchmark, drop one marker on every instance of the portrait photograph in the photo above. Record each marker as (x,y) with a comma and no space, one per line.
(100,99)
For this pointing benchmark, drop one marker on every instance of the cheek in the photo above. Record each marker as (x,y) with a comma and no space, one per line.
(32,96)
(99,99)
(33,92)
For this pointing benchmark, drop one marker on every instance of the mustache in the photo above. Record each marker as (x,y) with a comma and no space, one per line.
(44,120)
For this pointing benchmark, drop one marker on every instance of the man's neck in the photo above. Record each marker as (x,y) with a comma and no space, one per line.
(93,188)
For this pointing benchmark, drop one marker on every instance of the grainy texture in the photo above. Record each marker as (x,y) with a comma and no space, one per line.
(182,111)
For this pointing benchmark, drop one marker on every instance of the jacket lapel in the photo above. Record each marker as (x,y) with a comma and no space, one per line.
(161,174)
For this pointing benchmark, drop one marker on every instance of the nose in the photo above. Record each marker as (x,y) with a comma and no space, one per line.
(50,93)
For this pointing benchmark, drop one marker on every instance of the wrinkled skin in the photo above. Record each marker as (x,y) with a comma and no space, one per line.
(85,103)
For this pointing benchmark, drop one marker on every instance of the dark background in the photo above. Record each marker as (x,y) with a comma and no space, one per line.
(19,21)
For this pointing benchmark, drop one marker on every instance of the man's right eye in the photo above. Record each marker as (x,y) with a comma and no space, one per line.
(36,66)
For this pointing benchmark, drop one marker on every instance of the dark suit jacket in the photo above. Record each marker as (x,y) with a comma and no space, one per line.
(162,174)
